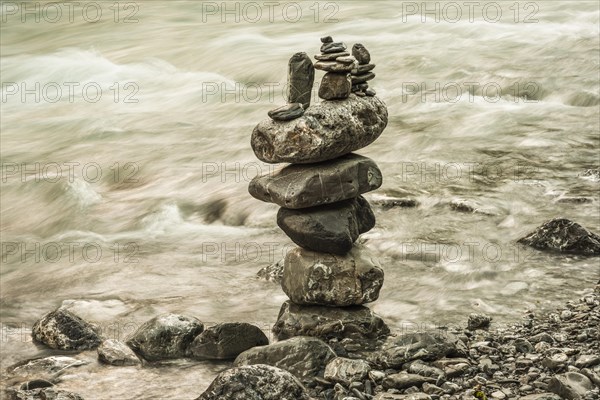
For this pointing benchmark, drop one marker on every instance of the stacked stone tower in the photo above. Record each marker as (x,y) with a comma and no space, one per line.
(327,278)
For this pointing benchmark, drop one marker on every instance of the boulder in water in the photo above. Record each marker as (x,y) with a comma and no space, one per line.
(63,330)
(564,236)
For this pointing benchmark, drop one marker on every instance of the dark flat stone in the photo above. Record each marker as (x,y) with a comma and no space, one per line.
(329,48)
(287,112)
(361,69)
(332,56)
(356,79)
(308,185)
(333,66)
(331,228)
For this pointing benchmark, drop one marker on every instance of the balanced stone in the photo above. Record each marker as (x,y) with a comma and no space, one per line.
(329,48)
(361,54)
(355,322)
(335,86)
(302,186)
(370,92)
(287,112)
(326,131)
(301,77)
(361,69)
(332,56)
(330,228)
(327,39)
(333,66)
(226,341)
(346,60)
(362,78)
(303,356)
(311,278)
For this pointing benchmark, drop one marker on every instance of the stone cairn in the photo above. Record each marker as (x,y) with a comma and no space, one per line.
(327,278)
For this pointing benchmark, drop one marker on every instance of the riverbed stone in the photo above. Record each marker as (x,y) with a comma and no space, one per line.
(571,385)
(63,330)
(335,86)
(304,357)
(326,131)
(330,228)
(311,278)
(403,380)
(288,112)
(226,341)
(255,382)
(301,77)
(346,370)
(564,236)
(115,352)
(427,345)
(302,186)
(356,322)
(47,393)
(166,336)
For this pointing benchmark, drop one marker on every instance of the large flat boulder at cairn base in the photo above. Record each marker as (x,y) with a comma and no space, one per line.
(428,345)
(305,357)
(565,236)
(326,131)
(63,330)
(302,186)
(311,278)
(330,228)
(255,382)
(165,337)
(225,341)
(355,322)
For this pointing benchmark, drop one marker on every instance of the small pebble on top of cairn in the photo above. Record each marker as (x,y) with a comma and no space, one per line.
(322,209)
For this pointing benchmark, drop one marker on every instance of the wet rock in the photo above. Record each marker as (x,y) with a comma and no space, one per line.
(541,396)
(63,330)
(49,393)
(255,382)
(571,386)
(346,371)
(335,86)
(115,352)
(478,321)
(428,345)
(411,396)
(272,273)
(565,236)
(164,337)
(302,186)
(405,380)
(387,203)
(592,174)
(47,366)
(361,54)
(328,322)
(330,228)
(226,341)
(304,357)
(311,278)
(423,369)
(301,77)
(326,131)
(555,361)
(287,112)
(36,384)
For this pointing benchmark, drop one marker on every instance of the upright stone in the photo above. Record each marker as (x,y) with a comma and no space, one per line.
(301,76)
(361,54)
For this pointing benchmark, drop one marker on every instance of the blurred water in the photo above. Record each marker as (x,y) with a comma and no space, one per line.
(144,190)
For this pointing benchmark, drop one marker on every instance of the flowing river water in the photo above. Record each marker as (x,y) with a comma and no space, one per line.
(126,159)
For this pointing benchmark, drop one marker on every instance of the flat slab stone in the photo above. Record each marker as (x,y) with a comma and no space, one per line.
(334,66)
(363,77)
(332,56)
(287,112)
(333,47)
(326,131)
(331,228)
(303,356)
(361,69)
(302,186)
(354,322)
(311,278)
